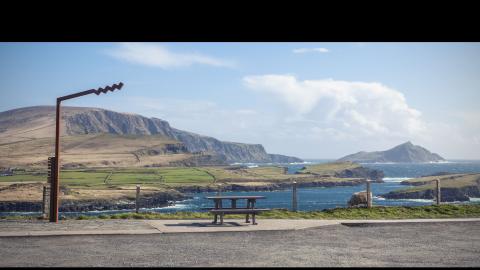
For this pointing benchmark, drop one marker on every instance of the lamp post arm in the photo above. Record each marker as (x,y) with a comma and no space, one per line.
(79,94)
(92,91)
(55,184)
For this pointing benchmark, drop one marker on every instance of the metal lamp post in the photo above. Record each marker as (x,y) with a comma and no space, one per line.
(54,187)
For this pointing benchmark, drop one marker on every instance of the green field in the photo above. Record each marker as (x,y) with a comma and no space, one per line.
(98,177)
(174,177)
(154,176)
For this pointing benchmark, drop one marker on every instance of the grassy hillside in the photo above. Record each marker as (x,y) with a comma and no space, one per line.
(107,177)
(37,124)
(95,151)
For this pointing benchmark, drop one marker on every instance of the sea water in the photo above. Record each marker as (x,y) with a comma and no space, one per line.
(319,198)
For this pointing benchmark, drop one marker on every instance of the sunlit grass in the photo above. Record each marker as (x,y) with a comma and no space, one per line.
(394,212)
(377,212)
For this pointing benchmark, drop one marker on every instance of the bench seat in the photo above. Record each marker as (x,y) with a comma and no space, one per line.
(238,210)
(248,211)
(227,208)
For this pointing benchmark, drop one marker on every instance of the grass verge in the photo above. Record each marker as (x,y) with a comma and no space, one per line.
(377,212)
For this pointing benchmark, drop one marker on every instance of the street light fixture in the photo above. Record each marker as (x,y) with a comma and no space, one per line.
(54,185)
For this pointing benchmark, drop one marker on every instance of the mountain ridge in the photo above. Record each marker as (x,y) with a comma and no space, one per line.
(39,121)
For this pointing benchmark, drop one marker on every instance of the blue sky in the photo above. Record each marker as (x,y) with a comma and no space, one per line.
(312,100)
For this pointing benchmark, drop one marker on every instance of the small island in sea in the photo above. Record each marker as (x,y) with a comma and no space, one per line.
(403,153)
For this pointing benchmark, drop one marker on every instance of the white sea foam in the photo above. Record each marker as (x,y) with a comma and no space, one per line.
(475,199)
(176,206)
(408,163)
(106,211)
(300,163)
(441,161)
(416,200)
(395,179)
(378,163)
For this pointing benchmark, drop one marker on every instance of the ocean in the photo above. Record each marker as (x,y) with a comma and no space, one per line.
(319,198)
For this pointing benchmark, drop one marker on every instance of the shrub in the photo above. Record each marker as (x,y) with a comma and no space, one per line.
(138,216)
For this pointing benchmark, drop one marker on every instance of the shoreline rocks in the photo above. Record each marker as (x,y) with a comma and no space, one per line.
(268,187)
(157,199)
(468,187)
(447,194)
(359,199)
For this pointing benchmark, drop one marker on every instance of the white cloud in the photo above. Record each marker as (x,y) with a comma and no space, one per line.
(458,138)
(367,109)
(326,130)
(308,50)
(321,118)
(159,56)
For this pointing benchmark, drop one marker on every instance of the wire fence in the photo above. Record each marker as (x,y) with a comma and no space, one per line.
(33,199)
(38,203)
(22,194)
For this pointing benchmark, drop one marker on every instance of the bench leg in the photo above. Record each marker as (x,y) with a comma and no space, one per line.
(221,219)
(247,216)
(215,219)
(253,220)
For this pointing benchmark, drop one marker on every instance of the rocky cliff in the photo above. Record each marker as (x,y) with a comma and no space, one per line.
(404,153)
(39,122)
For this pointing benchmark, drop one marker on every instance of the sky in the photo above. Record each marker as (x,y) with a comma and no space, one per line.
(310,100)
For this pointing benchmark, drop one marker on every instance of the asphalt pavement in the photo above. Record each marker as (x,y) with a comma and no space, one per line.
(382,244)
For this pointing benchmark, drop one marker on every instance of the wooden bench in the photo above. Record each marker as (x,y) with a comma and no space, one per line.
(247,211)
(250,209)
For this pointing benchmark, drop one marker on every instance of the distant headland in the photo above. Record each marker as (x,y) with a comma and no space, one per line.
(403,153)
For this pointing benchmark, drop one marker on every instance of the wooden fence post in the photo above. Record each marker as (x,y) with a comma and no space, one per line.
(137,199)
(294,196)
(369,195)
(437,181)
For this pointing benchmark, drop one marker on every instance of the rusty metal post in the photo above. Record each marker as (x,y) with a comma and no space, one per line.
(294,196)
(54,185)
(438,199)
(369,195)
(137,199)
